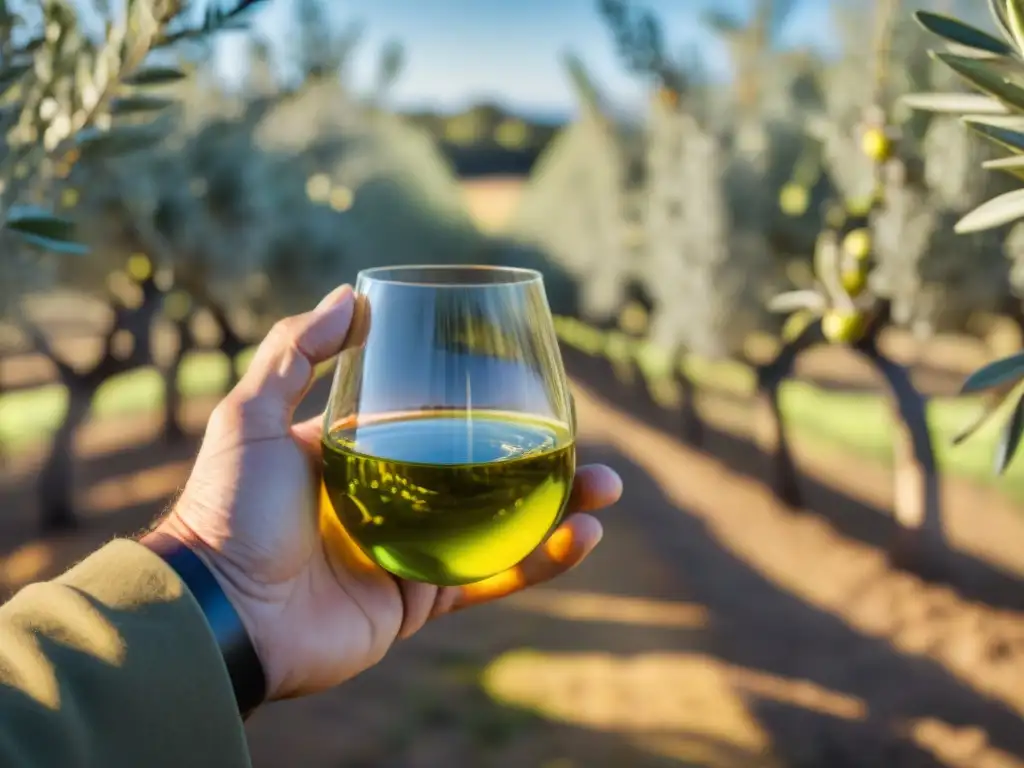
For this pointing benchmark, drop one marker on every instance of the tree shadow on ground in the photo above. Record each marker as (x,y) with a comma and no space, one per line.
(974,578)
(425,706)
(754,625)
(758,626)
(930,380)
(427,719)
(438,716)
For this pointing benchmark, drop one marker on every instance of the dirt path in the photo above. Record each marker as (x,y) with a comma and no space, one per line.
(710,629)
(910,669)
(852,492)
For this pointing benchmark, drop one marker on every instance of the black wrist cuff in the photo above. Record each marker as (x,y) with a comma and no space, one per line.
(244,667)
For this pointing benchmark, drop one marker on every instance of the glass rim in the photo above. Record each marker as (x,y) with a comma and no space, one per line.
(403,274)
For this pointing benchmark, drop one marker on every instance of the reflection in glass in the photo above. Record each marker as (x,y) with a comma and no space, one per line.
(448,442)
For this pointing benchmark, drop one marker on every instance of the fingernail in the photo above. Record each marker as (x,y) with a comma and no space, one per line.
(336,297)
(614,483)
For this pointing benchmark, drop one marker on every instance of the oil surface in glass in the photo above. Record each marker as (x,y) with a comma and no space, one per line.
(449,497)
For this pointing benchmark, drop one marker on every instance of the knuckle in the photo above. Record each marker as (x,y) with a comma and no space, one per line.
(284,332)
(245,414)
(226,413)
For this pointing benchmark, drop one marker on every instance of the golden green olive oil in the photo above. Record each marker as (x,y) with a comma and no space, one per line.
(449,498)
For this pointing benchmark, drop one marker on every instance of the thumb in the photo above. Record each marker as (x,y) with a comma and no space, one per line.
(281,371)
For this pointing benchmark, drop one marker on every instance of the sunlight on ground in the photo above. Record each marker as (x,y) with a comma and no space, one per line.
(691,750)
(693,708)
(25,564)
(958,746)
(601,607)
(798,693)
(143,487)
(851,581)
(683,693)
(492,201)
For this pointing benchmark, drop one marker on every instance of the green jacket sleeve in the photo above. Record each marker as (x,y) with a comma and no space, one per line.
(113,664)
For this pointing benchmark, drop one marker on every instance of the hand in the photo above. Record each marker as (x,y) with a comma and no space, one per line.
(317,610)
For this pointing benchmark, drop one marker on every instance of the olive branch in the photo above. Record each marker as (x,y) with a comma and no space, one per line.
(993,66)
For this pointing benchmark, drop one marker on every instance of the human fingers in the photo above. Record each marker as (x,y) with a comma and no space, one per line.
(594,487)
(308,433)
(282,369)
(418,600)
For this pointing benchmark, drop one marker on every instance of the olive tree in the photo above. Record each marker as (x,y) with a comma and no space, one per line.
(868,268)
(256,203)
(575,205)
(188,222)
(707,259)
(79,102)
(214,210)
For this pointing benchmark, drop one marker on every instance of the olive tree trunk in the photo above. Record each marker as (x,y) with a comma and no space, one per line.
(918,539)
(55,483)
(231,343)
(769,427)
(3,451)
(640,384)
(174,432)
(691,428)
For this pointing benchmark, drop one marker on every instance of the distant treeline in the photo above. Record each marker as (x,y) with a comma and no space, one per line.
(487,140)
(470,162)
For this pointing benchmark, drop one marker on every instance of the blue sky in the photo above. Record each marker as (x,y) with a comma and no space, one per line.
(462,51)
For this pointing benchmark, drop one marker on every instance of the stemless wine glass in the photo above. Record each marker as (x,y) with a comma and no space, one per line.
(449,435)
